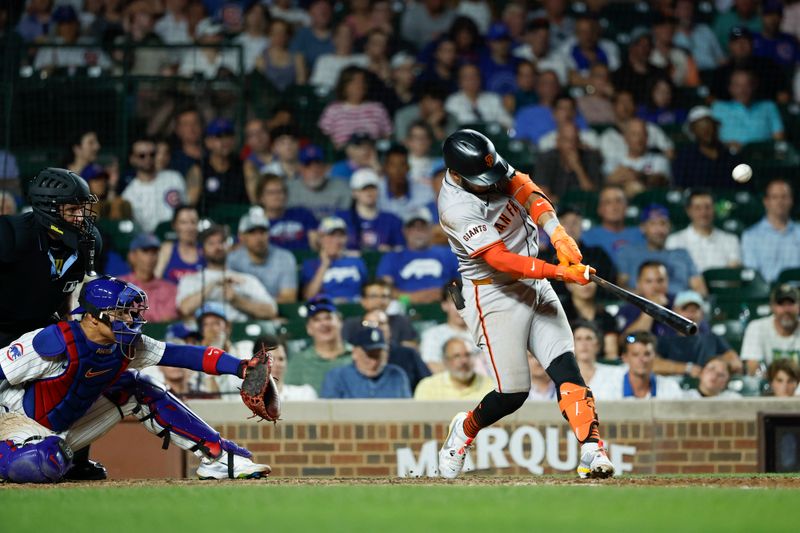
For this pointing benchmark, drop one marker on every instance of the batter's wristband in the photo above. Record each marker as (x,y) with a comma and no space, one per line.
(542,270)
(550,226)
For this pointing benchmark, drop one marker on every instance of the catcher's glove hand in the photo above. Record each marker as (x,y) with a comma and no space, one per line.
(259,392)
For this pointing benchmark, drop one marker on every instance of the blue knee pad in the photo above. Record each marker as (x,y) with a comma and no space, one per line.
(36,460)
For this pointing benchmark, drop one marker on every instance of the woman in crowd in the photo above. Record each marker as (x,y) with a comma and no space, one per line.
(582,306)
(660,108)
(254,40)
(182,256)
(282,67)
(587,348)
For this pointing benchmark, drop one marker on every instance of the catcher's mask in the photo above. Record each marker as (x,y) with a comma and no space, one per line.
(120,305)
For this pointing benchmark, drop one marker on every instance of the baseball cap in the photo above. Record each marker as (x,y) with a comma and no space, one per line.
(64,13)
(639,33)
(772,7)
(310,154)
(144,241)
(401,59)
(422,213)
(253,219)
(219,127)
(699,112)
(785,292)
(654,210)
(497,32)
(179,330)
(685,298)
(368,338)
(360,137)
(94,172)
(330,224)
(208,28)
(211,308)
(739,32)
(318,304)
(364,177)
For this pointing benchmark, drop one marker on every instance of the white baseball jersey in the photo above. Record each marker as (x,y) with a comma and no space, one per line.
(154,201)
(475,223)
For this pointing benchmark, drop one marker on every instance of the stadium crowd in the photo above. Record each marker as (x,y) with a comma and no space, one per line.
(324,230)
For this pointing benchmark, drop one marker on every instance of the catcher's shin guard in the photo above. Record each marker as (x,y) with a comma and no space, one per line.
(29,452)
(167,417)
(575,399)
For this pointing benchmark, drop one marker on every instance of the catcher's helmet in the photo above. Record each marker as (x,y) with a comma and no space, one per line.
(472,156)
(55,187)
(119,304)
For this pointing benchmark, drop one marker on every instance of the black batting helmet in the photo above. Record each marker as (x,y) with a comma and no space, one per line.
(54,187)
(472,156)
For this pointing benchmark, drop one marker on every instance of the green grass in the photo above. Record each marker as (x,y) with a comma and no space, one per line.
(388,509)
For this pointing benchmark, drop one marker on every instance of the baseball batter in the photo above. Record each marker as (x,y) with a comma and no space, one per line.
(490,213)
(65,385)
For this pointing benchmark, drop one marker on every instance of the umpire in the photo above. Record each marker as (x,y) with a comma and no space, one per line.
(44,255)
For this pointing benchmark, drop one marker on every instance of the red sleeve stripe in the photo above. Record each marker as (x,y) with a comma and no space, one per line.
(210,358)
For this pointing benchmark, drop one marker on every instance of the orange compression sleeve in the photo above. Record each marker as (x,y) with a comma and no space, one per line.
(522,188)
(520,266)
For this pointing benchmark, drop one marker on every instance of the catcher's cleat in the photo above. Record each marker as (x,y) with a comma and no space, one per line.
(454,450)
(595,463)
(86,471)
(230,466)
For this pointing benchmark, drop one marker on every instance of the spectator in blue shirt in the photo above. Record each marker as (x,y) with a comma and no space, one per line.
(292,228)
(338,275)
(652,282)
(744,120)
(498,66)
(773,244)
(534,121)
(398,193)
(316,39)
(612,234)
(780,47)
(368,228)
(370,375)
(655,226)
(359,153)
(420,270)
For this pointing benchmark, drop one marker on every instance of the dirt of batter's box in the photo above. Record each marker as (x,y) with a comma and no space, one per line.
(733,481)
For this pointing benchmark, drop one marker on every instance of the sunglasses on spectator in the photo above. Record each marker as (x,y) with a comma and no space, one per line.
(142,155)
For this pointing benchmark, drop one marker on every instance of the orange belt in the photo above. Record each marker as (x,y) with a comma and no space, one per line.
(484,281)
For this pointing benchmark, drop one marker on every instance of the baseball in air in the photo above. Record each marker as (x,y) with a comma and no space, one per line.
(742,173)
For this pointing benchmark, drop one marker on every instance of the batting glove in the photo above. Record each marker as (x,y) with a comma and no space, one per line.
(566,248)
(574,273)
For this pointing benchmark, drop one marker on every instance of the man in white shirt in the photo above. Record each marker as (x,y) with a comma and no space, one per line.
(244,297)
(433,339)
(708,246)
(153,195)
(639,169)
(640,382)
(470,104)
(173,26)
(775,336)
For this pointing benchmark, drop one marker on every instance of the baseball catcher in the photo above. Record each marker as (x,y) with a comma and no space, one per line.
(69,383)
(491,214)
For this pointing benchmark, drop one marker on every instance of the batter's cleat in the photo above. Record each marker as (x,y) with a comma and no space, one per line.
(86,471)
(455,448)
(240,468)
(595,463)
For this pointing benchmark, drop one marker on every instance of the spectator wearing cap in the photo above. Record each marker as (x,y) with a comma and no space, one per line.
(708,246)
(419,142)
(679,63)
(142,257)
(713,382)
(421,269)
(245,296)
(67,54)
(404,356)
(686,355)
(430,109)
(743,15)
(280,362)
(333,272)
(215,330)
(285,153)
(780,47)
(706,162)
(315,190)
(536,48)
(637,69)
(773,83)
(206,62)
(368,228)
(432,342)
(498,67)
(327,349)
(639,169)
(359,153)
(743,119)
(639,381)
(458,379)
(612,233)
(472,104)
(370,375)
(398,193)
(219,179)
(772,245)
(655,226)
(696,37)
(274,267)
(153,194)
(425,20)
(376,295)
(776,336)
(314,40)
(783,376)
(587,49)
(328,66)
(291,228)
(652,282)
(350,112)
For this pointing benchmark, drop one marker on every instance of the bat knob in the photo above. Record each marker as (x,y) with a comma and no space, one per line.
(691,329)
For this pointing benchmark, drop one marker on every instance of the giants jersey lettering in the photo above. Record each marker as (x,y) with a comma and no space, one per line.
(475,223)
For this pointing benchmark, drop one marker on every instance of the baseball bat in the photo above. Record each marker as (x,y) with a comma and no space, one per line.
(658,312)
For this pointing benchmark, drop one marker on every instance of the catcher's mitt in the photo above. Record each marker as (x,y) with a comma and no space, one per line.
(259,392)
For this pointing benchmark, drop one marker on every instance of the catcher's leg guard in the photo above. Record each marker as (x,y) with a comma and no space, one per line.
(30,453)
(574,398)
(166,416)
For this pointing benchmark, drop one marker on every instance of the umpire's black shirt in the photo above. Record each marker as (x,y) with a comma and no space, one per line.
(32,285)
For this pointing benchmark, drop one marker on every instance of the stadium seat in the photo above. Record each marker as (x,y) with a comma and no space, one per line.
(250,331)
(156,330)
(165,232)
(736,283)
(771,160)
(790,275)
(120,233)
(742,206)
(424,312)
(723,309)
(671,199)
(521,156)
(584,201)
(732,331)
(228,214)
